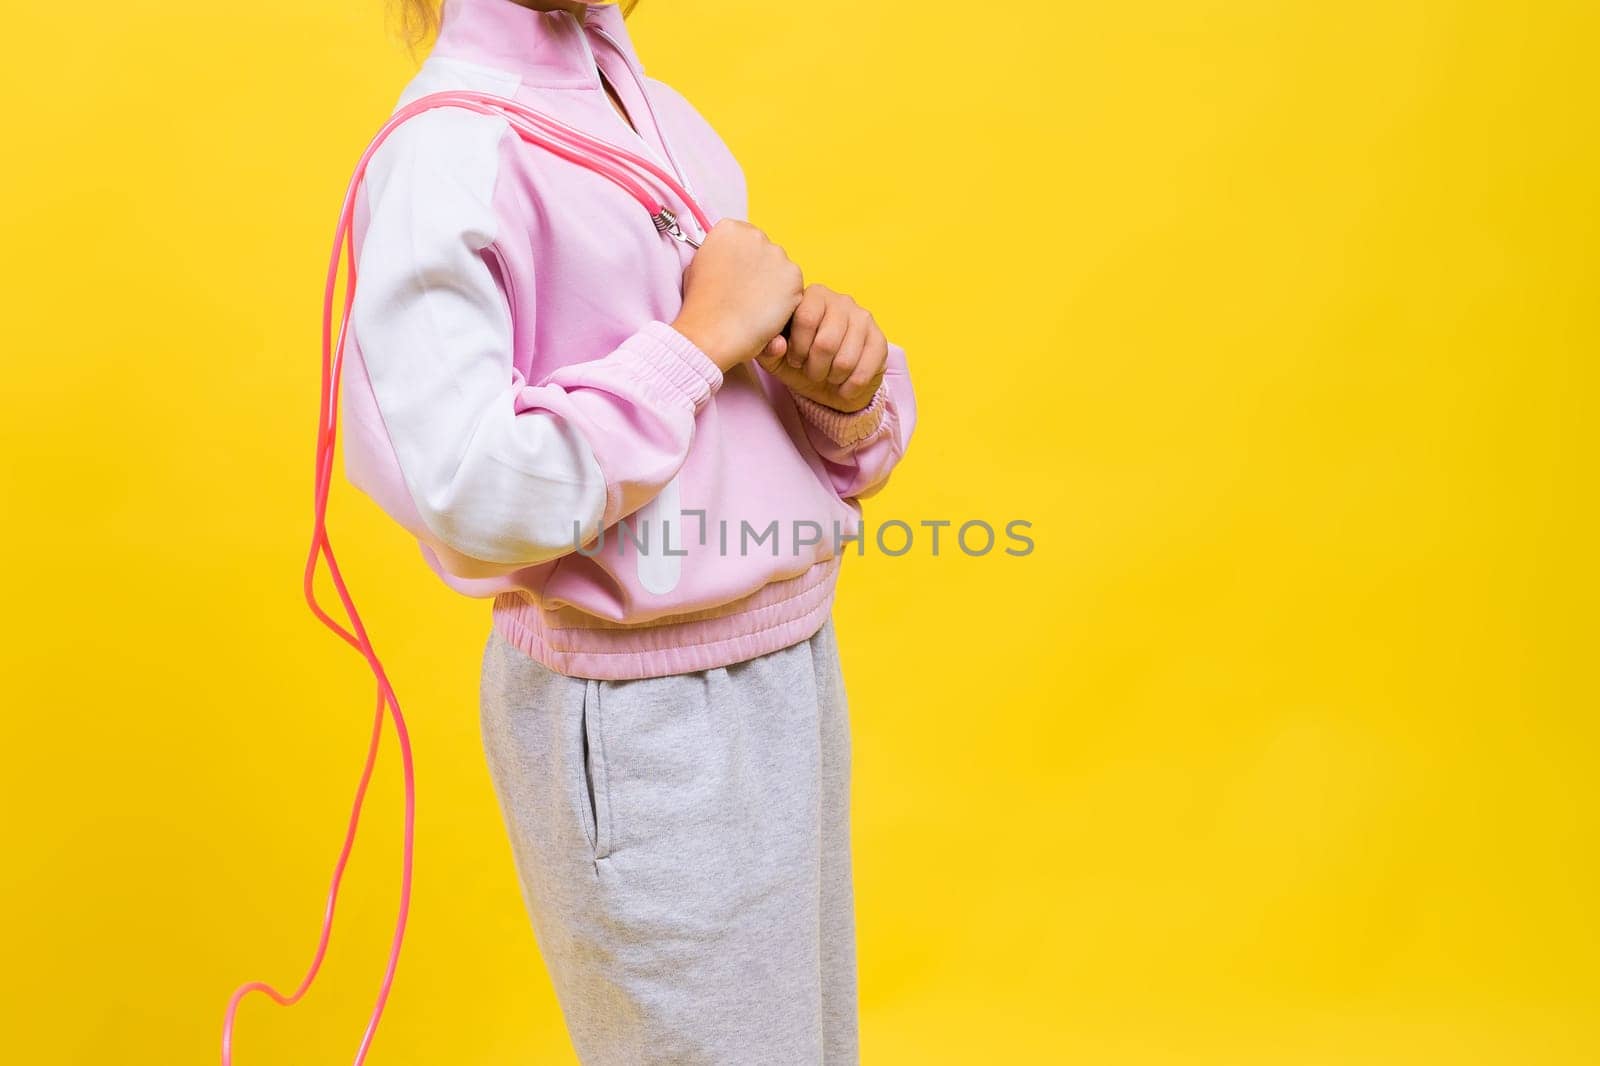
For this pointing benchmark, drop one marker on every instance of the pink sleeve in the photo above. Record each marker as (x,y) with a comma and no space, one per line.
(635,408)
(861,449)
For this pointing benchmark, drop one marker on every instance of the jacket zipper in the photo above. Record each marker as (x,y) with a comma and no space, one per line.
(671,161)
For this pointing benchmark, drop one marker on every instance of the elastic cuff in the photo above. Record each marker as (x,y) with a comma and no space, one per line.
(675,361)
(846,428)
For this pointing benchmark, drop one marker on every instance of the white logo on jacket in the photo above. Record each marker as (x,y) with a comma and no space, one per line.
(659,573)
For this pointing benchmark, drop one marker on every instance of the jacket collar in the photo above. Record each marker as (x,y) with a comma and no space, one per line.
(546,48)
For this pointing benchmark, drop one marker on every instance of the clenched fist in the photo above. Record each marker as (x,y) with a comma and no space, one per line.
(834,354)
(738,292)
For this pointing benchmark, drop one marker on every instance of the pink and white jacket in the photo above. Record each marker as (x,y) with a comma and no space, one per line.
(513,390)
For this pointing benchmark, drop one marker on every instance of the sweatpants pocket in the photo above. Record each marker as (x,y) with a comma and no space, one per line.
(596,786)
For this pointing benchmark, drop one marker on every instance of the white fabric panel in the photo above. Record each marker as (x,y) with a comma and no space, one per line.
(434,329)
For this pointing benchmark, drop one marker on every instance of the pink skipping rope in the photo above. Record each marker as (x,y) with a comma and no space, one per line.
(629,172)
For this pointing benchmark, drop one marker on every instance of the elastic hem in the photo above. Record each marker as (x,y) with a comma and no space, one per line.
(579,645)
(677,361)
(845,428)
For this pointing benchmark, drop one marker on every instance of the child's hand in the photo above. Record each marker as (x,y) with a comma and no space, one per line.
(834,354)
(739,290)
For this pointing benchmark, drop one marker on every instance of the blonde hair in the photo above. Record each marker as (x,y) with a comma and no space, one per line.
(419,19)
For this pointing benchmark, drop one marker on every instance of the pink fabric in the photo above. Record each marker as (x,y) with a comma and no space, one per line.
(590,286)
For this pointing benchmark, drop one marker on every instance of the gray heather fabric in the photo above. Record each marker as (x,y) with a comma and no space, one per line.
(684,849)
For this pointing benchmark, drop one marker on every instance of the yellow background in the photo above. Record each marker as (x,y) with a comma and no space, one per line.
(1276,319)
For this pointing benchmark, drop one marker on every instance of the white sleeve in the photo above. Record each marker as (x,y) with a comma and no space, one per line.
(501,470)
(434,329)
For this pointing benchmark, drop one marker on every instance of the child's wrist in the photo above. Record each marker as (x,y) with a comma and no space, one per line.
(709,340)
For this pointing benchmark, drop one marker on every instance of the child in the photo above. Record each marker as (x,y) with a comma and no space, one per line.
(647,454)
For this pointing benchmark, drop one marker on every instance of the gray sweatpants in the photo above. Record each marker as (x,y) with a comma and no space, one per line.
(684,850)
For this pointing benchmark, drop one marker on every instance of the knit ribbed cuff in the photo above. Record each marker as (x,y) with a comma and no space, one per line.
(675,362)
(846,428)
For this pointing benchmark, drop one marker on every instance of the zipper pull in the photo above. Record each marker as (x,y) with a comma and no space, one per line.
(667,222)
